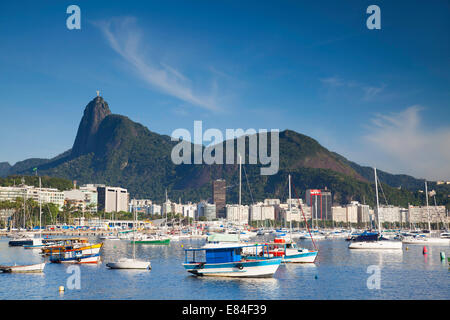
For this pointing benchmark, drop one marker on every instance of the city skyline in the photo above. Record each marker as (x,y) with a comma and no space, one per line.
(377,97)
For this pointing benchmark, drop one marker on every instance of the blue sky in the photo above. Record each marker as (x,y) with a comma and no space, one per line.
(378,97)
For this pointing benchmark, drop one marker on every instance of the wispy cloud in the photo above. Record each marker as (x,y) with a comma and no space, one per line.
(402,141)
(367,92)
(125,38)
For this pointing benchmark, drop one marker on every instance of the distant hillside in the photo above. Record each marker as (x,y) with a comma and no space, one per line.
(4,168)
(394,180)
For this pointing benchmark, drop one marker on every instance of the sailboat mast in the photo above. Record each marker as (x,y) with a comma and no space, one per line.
(428,209)
(376,192)
(290,213)
(134,234)
(240,194)
(40,208)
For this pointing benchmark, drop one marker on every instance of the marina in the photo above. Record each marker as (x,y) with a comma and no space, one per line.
(337,273)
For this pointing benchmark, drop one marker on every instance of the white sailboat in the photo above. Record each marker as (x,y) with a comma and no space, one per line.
(127,263)
(288,249)
(368,240)
(425,240)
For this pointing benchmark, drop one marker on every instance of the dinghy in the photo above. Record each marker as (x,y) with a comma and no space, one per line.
(31,268)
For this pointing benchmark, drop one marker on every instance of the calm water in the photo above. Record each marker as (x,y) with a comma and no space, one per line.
(339,273)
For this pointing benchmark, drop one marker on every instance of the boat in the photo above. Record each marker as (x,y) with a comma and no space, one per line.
(26,239)
(290,252)
(75,257)
(226,260)
(31,268)
(126,263)
(64,244)
(150,239)
(423,239)
(109,238)
(374,240)
(445,235)
(87,254)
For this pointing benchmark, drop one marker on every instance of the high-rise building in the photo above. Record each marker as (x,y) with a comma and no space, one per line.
(112,199)
(320,202)
(219,196)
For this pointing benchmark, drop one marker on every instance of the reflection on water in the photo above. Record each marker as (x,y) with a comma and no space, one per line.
(339,273)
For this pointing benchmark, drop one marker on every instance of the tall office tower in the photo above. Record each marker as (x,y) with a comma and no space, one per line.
(219,197)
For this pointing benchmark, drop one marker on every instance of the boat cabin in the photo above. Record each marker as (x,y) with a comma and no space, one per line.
(220,254)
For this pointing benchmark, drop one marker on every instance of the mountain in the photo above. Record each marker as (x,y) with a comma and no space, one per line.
(94,113)
(114,150)
(4,168)
(394,180)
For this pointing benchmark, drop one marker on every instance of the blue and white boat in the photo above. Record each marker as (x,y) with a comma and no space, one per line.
(226,260)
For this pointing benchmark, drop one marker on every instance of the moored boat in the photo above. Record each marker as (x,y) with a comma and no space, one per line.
(290,252)
(227,261)
(126,263)
(86,254)
(148,239)
(31,268)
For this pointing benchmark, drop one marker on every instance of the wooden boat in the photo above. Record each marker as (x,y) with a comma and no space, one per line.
(75,257)
(65,244)
(226,261)
(31,268)
(86,254)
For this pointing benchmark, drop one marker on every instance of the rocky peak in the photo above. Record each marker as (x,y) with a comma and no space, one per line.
(94,113)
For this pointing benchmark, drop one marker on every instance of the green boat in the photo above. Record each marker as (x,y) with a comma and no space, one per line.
(152,241)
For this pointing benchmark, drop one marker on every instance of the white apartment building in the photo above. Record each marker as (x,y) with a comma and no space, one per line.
(155,209)
(47,195)
(419,214)
(262,212)
(189,210)
(112,199)
(237,214)
(85,198)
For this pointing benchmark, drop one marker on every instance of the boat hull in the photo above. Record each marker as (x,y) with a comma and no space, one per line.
(300,257)
(428,241)
(129,264)
(377,245)
(94,258)
(241,269)
(33,268)
(162,241)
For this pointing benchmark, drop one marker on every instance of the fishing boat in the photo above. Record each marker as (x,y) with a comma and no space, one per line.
(87,254)
(287,248)
(64,244)
(374,240)
(226,260)
(290,252)
(31,268)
